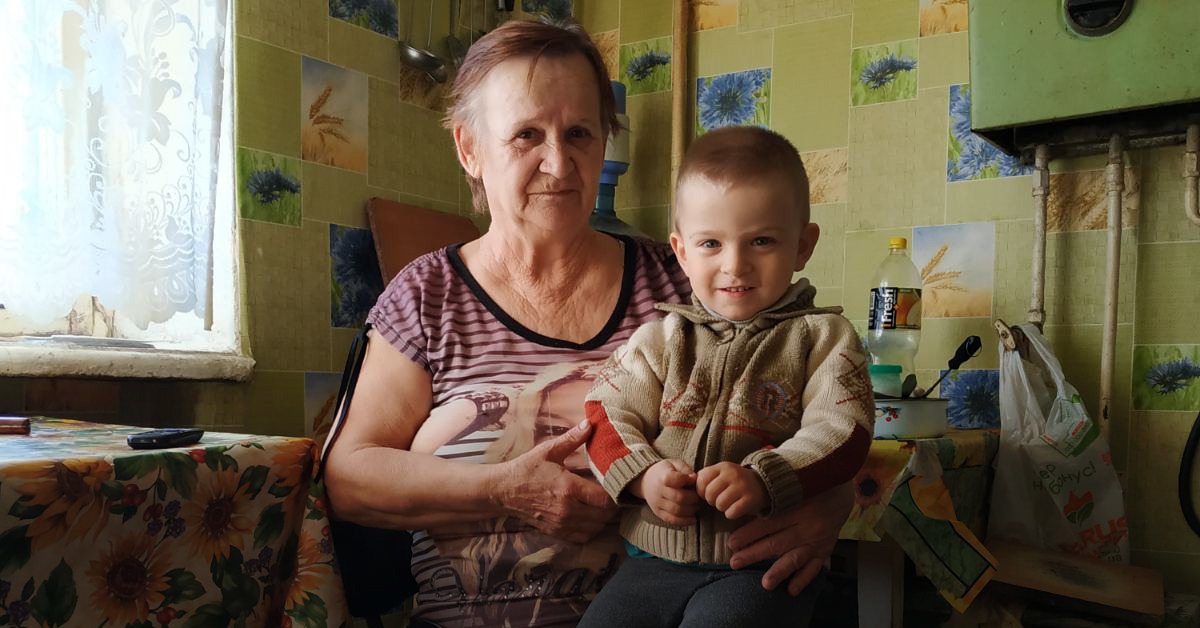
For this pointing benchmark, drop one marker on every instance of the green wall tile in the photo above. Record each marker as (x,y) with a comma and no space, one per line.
(1167,299)
(649,220)
(268,98)
(642,20)
(943,61)
(298,25)
(1151,505)
(287,276)
(864,251)
(363,50)
(1076,164)
(1075,277)
(279,201)
(826,266)
(828,297)
(274,403)
(598,15)
(335,195)
(647,184)
(759,14)
(941,336)
(1001,198)
(1181,572)
(724,50)
(1162,217)
(898,162)
(429,203)
(412,153)
(340,339)
(1012,281)
(878,21)
(810,80)
(1078,348)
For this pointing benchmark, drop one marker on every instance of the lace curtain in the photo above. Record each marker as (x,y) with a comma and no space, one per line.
(108,166)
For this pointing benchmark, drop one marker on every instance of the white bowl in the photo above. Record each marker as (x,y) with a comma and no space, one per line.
(910,418)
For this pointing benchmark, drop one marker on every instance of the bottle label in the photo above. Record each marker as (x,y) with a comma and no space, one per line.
(895,308)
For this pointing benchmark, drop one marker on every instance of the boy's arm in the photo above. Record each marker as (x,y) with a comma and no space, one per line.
(623,407)
(838,421)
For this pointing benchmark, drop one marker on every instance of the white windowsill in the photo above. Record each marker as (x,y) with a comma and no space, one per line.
(24,360)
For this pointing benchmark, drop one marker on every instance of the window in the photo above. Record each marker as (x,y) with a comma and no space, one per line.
(117,229)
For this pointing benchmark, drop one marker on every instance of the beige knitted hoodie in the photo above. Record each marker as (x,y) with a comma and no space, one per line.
(786,394)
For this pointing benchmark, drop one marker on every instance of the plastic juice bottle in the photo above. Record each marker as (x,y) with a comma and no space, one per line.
(894,324)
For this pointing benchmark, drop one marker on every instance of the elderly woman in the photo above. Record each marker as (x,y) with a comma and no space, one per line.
(469,410)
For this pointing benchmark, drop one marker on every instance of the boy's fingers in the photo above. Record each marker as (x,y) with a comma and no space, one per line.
(677,480)
(680,466)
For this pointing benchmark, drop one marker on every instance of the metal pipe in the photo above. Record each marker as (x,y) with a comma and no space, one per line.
(1114,178)
(1191,175)
(1041,194)
(679,92)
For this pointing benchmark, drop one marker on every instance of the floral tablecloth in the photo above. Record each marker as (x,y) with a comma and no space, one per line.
(930,496)
(229,532)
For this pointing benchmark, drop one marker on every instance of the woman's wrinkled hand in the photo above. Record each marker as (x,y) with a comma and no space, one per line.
(800,540)
(538,489)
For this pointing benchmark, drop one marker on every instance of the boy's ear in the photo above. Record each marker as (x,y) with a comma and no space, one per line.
(677,246)
(464,145)
(808,242)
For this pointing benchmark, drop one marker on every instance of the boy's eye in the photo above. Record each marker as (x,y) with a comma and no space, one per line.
(709,244)
(762,241)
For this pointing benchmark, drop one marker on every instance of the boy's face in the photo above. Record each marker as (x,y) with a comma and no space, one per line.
(740,244)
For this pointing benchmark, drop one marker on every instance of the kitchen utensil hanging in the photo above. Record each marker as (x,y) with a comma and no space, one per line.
(420,58)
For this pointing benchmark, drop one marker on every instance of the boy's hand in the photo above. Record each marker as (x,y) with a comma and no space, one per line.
(667,487)
(732,489)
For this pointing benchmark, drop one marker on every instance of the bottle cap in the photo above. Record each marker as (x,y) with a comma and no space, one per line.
(884,369)
(897,243)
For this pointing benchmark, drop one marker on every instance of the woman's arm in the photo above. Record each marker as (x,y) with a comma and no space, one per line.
(374,480)
(800,539)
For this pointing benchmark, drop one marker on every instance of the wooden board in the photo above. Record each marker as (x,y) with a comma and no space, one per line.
(405,232)
(1075,582)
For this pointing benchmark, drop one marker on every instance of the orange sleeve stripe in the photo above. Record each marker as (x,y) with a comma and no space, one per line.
(605,446)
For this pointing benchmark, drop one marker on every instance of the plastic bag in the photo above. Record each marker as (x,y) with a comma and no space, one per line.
(1055,485)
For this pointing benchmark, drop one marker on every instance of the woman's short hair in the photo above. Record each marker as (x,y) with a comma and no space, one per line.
(517,39)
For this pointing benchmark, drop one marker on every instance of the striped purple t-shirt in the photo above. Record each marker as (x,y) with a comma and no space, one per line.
(498,390)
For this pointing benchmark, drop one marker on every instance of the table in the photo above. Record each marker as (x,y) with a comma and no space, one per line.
(926,498)
(231,531)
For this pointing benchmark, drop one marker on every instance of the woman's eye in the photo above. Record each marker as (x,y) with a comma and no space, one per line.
(526,134)
(579,133)
(762,241)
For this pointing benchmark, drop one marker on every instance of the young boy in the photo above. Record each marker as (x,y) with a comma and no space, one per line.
(742,404)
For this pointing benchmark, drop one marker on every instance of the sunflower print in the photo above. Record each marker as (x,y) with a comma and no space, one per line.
(128,580)
(68,494)
(222,534)
(216,517)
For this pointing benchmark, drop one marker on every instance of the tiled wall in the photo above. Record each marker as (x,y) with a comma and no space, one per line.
(873,93)
(309,266)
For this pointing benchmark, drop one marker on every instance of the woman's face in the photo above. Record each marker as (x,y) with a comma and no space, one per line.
(538,144)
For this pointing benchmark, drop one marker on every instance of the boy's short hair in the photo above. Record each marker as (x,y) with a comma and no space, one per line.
(737,155)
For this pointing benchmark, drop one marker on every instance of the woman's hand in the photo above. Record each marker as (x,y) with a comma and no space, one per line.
(538,489)
(669,488)
(801,538)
